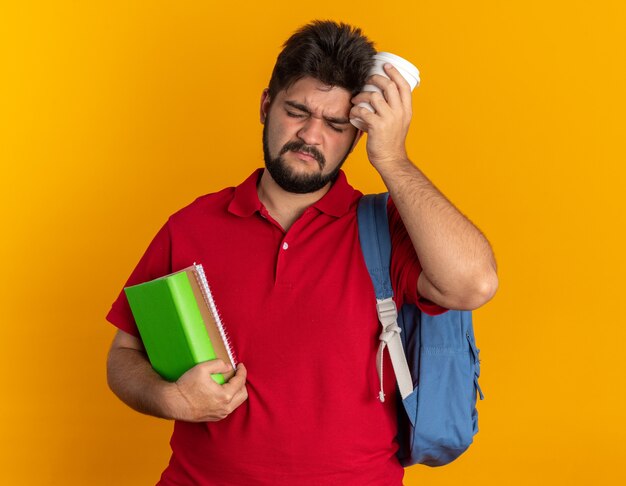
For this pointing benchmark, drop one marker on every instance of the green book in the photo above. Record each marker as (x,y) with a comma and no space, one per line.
(179,323)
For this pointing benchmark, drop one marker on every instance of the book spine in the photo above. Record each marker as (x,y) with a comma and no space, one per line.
(190,318)
(208,296)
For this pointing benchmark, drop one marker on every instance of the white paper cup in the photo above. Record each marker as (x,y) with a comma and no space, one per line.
(406,69)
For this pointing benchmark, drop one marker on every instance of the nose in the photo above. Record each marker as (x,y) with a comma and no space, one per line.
(311,131)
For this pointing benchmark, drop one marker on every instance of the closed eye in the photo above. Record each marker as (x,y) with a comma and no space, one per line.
(335,128)
(304,113)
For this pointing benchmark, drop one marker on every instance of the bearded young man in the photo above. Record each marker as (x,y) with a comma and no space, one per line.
(282,255)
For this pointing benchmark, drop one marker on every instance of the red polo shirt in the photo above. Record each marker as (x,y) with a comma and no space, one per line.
(299,307)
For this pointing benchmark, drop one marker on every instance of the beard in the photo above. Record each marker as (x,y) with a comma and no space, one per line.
(287,178)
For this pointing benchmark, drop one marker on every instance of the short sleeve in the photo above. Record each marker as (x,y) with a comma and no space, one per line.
(155,263)
(405,266)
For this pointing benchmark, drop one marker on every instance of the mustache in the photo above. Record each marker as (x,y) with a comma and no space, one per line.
(298,146)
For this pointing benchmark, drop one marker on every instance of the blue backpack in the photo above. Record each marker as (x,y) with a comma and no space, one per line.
(435,358)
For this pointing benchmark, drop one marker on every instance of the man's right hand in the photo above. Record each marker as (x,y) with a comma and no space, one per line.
(201,399)
(195,397)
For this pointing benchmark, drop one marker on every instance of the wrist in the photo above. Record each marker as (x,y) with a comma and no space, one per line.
(173,403)
(391,164)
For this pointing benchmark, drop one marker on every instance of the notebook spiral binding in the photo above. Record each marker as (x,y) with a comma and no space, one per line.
(208,296)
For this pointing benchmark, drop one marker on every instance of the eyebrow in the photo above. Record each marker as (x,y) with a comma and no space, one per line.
(304,108)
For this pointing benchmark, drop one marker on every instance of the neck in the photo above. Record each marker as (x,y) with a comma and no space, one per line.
(285,207)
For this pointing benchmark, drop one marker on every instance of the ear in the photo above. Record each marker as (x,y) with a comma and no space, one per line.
(265,104)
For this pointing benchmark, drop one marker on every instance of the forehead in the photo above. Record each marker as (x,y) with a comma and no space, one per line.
(318,97)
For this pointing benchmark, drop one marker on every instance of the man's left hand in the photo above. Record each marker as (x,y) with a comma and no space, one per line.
(387,128)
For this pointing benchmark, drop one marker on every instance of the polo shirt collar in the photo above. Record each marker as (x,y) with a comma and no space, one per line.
(245,200)
(335,202)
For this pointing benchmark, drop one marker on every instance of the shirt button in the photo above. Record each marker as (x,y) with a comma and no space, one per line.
(285,245)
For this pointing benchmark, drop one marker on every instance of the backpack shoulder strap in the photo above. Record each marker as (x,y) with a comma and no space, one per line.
(376,247)
(375,241)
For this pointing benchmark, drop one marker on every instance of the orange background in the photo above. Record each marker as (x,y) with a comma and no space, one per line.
(115,114)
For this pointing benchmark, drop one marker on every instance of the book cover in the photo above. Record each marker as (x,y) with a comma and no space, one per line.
(179,323)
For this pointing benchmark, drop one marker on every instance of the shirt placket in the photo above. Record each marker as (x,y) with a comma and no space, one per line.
(286,246)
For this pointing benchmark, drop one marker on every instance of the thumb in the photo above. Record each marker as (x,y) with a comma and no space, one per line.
(215,366)
(242,371)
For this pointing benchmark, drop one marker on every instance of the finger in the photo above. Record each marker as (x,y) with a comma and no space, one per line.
(389,89)
(215,366)
(234,396)
(242,369)
(239,397)
(366,97)
(363,96)
(363,114)
(378,80)
(380,105)
(392,94)
(241,372)
(374,99)
(404,88)
(238,381)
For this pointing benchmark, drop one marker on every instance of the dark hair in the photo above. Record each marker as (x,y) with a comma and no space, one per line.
(335,54)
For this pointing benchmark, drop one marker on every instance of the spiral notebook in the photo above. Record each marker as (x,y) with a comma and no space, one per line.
(179,323)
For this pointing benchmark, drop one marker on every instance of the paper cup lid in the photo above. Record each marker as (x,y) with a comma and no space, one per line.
(400,63)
